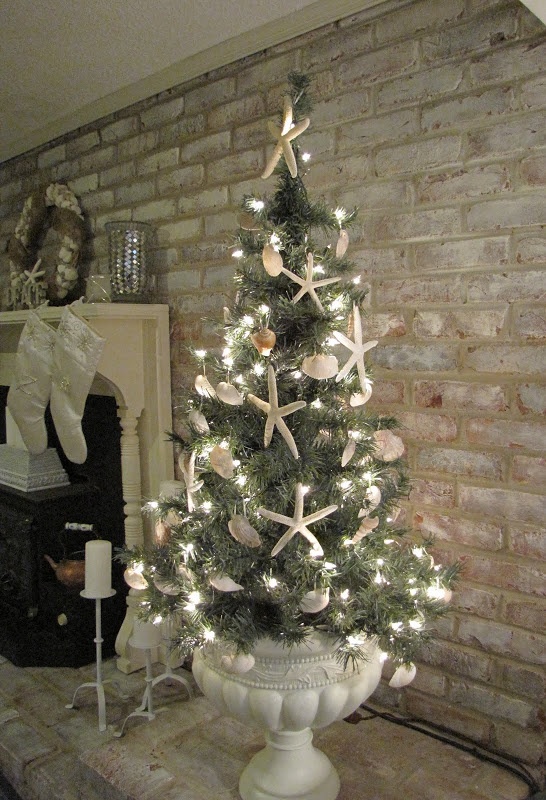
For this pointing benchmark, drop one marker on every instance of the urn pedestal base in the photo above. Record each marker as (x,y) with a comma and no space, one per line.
(288,692)
(289,767)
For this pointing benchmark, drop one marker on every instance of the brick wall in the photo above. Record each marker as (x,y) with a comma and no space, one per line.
(430,116)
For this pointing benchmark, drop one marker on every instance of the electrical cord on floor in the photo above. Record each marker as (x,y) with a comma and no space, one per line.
(459,741)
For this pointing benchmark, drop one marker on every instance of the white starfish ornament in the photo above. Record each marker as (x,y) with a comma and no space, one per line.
(298,523)
(187,465)
(275,414)
(33,274)
(357,348)
(285,135)
(307,284)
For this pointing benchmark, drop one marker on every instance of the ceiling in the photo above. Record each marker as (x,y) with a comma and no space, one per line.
(65,64)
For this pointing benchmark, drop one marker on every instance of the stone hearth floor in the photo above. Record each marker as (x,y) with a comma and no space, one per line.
(190,752)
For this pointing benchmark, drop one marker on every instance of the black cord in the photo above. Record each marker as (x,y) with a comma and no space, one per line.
(500,761)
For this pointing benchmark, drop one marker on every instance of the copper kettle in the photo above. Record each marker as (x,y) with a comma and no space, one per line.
(69,572)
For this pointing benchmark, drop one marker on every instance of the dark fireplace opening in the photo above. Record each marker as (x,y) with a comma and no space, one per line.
(44,621)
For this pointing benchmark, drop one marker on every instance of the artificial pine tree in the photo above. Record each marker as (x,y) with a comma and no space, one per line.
(292,485)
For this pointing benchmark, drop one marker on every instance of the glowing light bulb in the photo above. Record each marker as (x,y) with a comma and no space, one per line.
(383,656)
(305,157)
(356,280)
(248,320)
(297,374)
(344,594)
(259,369)
(228,362)
(237,254)
(194,597)
(345,484)
(305,489)
(158,619)
(256,205)
(316,403)
(152,505)
(340,214)
(274,240)
(320,269)
(206,506)
(210,636)
(264,309)
(418,552)
(396,626)
(241,480)
(388,541)
(200,353)
(272,583)
(239,379)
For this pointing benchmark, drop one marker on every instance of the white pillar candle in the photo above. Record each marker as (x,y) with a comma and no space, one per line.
(145,634)
(98,568)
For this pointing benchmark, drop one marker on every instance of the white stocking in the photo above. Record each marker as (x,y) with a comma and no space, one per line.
(78,348)
(29,393)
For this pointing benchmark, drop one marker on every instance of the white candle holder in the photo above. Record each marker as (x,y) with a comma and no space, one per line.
(98,684)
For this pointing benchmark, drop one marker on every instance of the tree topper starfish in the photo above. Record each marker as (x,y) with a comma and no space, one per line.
(275,414)
(298,523)
(358,350)
(187,465)
(307,284)
(285,136)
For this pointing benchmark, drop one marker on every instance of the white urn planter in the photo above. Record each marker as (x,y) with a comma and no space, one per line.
(288,693)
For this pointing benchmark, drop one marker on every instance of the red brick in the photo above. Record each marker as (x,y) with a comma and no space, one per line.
(460,462)
(526,469)
(427,427)
(418,225)
(526,745)
(529,541)
(485,535)
(419,291)
(531,398)
(507,213)
(464,253)
(463,184)
(506,358)
(376,326)
(417,357)
(519,577)
(488,700)
(472,600)
(459,324)
(507,286)
(420,86)
(460,396)
(525,614)
(434,493)
(531,323)
(506,433)
(503,639)
(521,680)
(380,261)
(387,393)
(503,504)
(451,658)
(458,720)
(533,170)
(531,250)
(379,64)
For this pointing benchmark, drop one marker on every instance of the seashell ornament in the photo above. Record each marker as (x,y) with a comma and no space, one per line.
(348,453)
(229,394)
(272,260)
(320,366)
(241,530)
(359,398)
(135,579)
(199,422)
(238,664)
(264,341)
(403,676)
(222,462)
(225,584)
(162,532)
(342,243)
(373,496)
(315,601)
(166,587)
(366,526)
(204,386)
(389,446)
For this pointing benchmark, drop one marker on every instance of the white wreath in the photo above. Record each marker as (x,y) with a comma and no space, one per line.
(23,245)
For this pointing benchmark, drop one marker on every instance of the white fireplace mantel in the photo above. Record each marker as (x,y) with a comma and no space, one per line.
(135,368)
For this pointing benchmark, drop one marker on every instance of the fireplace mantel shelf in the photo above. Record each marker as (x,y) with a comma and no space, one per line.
(135,368)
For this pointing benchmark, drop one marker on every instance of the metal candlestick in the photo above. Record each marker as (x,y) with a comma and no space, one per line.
(99,683)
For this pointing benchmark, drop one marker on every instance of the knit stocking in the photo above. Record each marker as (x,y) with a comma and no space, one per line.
(78,348)
(29,393)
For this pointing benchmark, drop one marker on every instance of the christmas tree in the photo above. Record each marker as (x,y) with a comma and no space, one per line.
(292,485)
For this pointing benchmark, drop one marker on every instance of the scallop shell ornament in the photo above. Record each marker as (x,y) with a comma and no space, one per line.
(225,584)
(403,676)
(222,462)
(320,366)
(198,420)
(228,393)
(241,530)
(342,243)
(238,664)
(264,341)
(359,398)
(135,579)
(389,446)
(315,601)
(204,386)
(373,496)
(166,586)
(272,260)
